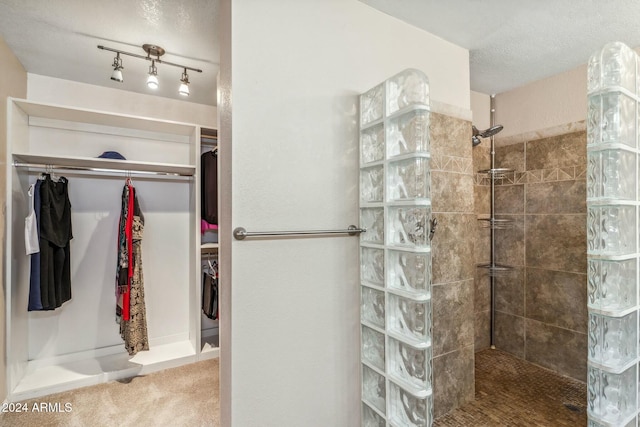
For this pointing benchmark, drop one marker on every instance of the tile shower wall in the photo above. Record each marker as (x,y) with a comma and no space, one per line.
(541,306)
(453,266)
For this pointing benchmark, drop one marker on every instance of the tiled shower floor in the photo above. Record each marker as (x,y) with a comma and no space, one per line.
(513,392)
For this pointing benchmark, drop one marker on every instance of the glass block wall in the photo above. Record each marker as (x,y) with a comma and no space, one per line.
(395,254)
(613,199)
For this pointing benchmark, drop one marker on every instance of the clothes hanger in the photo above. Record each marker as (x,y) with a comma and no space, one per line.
(52,175)
(208,269)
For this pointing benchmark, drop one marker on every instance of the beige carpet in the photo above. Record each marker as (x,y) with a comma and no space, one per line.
(184,396)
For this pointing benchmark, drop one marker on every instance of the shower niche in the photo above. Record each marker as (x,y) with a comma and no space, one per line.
(395,253)
(613,248)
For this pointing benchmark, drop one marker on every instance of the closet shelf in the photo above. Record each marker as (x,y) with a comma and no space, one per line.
(99,163)
(42,380)
(208,246)
(101,118)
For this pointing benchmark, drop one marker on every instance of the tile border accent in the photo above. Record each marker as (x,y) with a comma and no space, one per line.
(443,163)
(534,176)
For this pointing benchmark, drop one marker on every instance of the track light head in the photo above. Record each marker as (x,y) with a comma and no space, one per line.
(152,80)
(117,69)
(117,75)
(184,84)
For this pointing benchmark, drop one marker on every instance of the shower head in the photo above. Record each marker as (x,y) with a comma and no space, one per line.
(491,131)
(475,138)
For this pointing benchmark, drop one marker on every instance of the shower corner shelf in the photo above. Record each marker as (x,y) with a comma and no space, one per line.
(496,224)
(496,269)
(497,173)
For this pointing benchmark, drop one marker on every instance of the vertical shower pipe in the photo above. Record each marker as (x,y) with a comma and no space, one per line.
(492,224)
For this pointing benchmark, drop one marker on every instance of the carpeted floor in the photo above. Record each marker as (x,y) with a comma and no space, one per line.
(183,396)
(511,392)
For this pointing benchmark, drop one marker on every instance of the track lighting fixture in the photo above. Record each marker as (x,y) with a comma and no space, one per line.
(117,68)
(184,84)
(153,54)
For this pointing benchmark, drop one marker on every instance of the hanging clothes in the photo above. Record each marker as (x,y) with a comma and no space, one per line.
(31,236)
(130,305)
(35,302)
(55,237)
(209,186)
(210,290)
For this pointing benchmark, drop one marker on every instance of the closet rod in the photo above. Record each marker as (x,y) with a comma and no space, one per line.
(240,233)
(102,170)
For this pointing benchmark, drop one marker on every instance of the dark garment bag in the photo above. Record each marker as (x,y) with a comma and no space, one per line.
(209,187)
(210,295)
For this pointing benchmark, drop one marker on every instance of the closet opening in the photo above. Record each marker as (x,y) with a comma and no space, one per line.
(78,342)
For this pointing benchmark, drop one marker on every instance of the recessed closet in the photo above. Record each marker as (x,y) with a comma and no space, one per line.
(79,343)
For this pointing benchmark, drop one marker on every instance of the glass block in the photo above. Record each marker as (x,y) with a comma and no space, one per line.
(594,109)
(409,180)
(409,226)
(611,230)
(372,266)
(408,134)
(370,418)
(372,219)
(371,184)
(637,92)
(410,272)
(371,105)
(410,87)
(612,285)
(410,319)
(613,341)
(594,73)
(611,118)
(611,174)
(618,67)
(372,144)
(374,388)
(407,410)
(611,397)
(372,306)
(593,423)
(410,365)
(373,347)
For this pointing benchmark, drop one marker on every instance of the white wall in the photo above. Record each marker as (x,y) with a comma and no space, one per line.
(481,108)
(13,82)
(297,69)
(69,93)
(548,103)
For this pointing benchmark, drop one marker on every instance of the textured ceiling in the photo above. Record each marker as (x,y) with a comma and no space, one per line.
(514,42)
(59,39)
(511,42)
